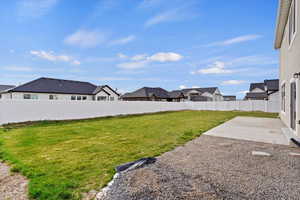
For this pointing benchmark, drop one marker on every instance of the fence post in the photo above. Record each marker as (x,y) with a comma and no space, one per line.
(266,106)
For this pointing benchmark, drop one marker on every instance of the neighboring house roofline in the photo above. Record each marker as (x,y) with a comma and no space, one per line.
(112,90)
(260,86)
(50,79)
(282,19)
(100,89)
(147,92)
(5,88)
(60,86)
(210,90)
(272,85)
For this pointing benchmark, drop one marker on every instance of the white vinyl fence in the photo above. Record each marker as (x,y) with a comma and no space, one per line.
(12,111)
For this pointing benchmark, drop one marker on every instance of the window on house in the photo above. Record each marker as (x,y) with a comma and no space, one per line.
(0,96)
(73,98)
(292,22)
(78,98)
(53,97)
(26,96)
(30,96)
(283,97)
(101,98)
(112,98)
(84,98)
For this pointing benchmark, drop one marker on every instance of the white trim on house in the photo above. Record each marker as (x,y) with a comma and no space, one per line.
(294,5)
(283,111)
(282,18)
(293,80)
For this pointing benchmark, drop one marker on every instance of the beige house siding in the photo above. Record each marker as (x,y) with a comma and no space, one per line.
(274,97)
(44,96)
(111,93)
(290,64)
(62,97)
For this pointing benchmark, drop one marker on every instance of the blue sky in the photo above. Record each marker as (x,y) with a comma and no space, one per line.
(129,44)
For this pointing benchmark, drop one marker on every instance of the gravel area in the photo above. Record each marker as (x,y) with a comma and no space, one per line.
(214,168)
(12,186)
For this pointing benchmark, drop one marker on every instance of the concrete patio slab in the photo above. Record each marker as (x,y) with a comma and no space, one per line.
(265,130)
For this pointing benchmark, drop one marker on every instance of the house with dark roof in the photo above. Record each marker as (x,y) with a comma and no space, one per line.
(202,94)
(229,98)
(159,94)
(267,90)
(59,89)
(4,88)
(153,94)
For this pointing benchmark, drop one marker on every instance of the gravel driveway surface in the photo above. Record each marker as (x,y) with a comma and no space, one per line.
(12,186)
(214,168)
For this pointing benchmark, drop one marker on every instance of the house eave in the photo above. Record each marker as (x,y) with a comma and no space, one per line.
(282,18)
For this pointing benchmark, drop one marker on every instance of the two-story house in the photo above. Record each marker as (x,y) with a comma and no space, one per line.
(287,41)
(203,94)
(160,94)
(268,90)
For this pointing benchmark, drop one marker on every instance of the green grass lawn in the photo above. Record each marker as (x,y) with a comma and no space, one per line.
(64,159)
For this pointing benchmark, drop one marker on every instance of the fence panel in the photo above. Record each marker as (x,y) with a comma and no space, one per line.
(12,111)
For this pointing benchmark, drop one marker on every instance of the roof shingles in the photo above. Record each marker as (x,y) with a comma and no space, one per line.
(49,85)
(6,87)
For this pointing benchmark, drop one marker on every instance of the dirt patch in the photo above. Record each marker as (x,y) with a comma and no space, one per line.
(12,186)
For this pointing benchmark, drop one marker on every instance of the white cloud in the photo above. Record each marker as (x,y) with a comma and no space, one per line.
(126,79)
(139,57)
(122,56)
(132,65)
(165,57)
(173,15)
(114,79)
(233,82)
(52,57)
(76,62)
(236,40)
(92,38)
(18,68)
(124,40)
(34,8)
(234,65)
(141,60)
(253,60)
(217,68)
(185,87)
(86,38)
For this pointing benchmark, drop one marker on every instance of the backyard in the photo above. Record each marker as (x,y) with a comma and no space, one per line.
(65,159)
